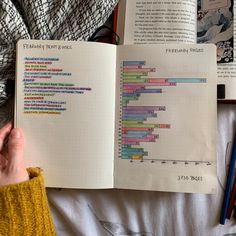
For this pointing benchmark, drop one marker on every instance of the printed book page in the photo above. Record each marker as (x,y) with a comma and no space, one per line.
(65,104)
(166,134)
(150,22)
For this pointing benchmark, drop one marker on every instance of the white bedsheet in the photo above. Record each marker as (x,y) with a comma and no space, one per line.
(123,212)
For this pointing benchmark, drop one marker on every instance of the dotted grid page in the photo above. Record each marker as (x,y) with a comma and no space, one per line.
(65,105)
(166,133)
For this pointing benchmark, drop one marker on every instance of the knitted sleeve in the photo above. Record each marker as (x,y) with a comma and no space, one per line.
(24,208)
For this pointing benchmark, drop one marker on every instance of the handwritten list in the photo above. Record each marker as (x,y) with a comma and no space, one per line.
(44,78)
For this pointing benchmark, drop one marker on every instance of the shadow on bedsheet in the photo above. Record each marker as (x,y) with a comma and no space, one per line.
(116,229)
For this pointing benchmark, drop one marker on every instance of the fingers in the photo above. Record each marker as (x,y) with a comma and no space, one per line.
(4,131)
(3,162)
(16,148)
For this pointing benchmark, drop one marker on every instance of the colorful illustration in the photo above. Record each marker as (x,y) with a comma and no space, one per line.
(215,25)
(137,120)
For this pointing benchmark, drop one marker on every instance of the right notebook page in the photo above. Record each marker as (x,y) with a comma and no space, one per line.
(166,121)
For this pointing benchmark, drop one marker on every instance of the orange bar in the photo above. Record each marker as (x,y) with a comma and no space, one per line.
(137,157)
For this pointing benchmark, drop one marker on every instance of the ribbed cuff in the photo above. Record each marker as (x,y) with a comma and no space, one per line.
(24,207)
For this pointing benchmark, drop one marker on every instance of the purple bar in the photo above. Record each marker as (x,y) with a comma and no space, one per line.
(134,86)
(152,108)
(150,84)
(138,140)
(129,142)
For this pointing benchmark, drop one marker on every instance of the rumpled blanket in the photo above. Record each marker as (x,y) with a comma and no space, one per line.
(45,19)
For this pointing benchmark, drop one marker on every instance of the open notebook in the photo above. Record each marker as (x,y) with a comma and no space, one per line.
(104,116)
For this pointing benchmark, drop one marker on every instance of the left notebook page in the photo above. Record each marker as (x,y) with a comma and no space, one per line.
(65,103)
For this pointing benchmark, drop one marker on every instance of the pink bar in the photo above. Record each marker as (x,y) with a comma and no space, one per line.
(164,126)
(151,84)
(133,86)
(125,130)
(157,80)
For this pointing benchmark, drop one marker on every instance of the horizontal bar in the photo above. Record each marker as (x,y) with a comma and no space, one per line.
(133,149)
(127,125)
(156,80)
(139,139)
(134,135)
(138,63)
(132,66)
(156,108)
(129,80)
(134,74)
(151,84)
(187,80)
(139,69)
(136,129)
(149,91)
(129,142)
(137,112)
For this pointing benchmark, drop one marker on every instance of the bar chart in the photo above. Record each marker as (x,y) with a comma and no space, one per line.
(140,123)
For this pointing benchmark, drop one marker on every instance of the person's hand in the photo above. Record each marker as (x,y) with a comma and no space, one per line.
(12,166)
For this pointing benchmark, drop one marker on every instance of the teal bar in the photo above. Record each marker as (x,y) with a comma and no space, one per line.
(187,80)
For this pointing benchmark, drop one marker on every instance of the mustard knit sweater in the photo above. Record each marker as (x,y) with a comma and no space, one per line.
(24,208)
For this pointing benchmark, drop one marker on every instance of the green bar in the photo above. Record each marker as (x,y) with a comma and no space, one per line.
(134,80)
(125,125)
(124,103)
(128,74)
(132,122)
(129,98)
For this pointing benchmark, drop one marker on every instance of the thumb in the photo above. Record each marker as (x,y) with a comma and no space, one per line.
(16,148)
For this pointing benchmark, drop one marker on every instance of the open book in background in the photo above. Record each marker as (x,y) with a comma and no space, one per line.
(193,21)
(131,116)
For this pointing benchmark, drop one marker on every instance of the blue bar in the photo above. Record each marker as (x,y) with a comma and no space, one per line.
(187,80)
(139,132)
(149,90)
(133,149)
(132,63)
(130,94)
(134,154)
(134,135)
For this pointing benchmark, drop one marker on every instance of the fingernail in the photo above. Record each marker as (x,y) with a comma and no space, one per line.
(15,133)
